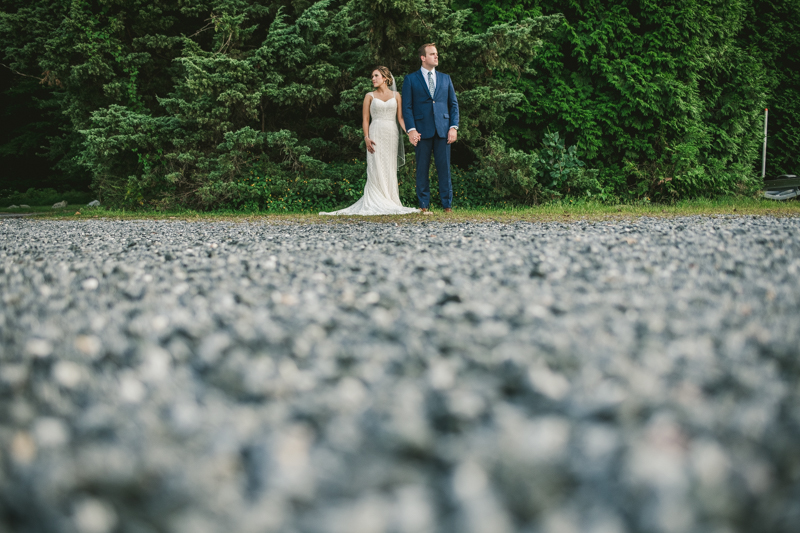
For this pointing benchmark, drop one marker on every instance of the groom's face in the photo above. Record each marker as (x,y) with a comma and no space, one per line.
(431,58)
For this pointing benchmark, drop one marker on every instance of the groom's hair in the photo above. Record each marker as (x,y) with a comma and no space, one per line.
(423,49)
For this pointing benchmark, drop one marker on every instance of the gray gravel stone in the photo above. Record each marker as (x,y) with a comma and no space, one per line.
(541,378)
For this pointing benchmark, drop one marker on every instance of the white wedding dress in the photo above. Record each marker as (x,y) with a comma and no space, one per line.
(381,196)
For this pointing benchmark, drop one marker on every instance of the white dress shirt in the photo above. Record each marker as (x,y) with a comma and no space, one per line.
(425,77)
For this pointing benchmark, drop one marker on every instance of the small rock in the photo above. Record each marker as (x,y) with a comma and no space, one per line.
(60,204)
(131,390)
(13,375)
(88,344)
(50,432)
(68,374)
(23,448)
(90,284)
(156,365)
(93,203)
(24,206)
(371,298)
(39,347)
(94,516)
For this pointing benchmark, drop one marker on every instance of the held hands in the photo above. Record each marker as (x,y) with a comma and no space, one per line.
(370,145)
(414,136)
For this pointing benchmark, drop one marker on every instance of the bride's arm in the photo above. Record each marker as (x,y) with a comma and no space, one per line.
(400,112)
(365,123)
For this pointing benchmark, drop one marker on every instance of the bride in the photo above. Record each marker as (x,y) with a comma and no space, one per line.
(384,150)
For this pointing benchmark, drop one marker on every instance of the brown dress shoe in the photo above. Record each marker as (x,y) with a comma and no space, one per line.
(425,211)
(448,210)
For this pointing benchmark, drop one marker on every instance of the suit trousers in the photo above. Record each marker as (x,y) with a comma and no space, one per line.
(438,147)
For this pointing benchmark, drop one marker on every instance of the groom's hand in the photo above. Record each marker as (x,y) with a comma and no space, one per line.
(452,136)
(413,137)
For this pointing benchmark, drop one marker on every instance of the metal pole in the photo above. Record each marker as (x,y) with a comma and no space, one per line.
(764,157)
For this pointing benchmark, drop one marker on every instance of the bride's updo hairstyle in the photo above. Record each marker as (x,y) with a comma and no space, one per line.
(386,74)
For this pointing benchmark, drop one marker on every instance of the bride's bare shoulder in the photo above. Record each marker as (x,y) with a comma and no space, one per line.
(367,102)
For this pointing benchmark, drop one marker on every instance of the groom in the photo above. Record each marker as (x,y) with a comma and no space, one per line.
(430,111)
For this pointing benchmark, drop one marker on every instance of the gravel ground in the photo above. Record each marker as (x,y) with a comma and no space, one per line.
(470,378)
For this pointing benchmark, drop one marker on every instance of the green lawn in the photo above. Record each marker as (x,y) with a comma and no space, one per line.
(562,212)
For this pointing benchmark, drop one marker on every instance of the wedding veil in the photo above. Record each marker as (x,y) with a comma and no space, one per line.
(401,151)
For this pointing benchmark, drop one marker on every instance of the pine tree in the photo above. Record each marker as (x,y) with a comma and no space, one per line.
(178,105)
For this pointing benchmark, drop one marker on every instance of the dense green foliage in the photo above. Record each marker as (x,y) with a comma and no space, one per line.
(25,128)
(772,34)
(665,98)
(256,105)
(180,105)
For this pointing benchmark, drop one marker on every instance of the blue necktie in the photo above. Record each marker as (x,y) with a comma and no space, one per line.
(431,87)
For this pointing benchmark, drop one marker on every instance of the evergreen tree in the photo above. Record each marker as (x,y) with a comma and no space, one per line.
(238,102)
(657,95)
(180,104)
(771,33)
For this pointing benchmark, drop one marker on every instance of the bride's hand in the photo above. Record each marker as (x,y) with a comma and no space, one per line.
(370,145)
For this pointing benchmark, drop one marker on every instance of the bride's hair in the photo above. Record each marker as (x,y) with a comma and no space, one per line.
(386,74)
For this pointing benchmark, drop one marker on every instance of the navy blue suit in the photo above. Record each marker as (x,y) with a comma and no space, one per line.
(432,117)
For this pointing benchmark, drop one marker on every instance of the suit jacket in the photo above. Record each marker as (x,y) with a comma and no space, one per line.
(430,116)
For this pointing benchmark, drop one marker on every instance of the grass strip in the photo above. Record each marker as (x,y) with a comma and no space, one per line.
(564,211)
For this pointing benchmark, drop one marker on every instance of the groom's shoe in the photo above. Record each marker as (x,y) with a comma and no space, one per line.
(425,211)
(448,210)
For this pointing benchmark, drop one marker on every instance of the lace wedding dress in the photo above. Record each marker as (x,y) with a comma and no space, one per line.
(381,196)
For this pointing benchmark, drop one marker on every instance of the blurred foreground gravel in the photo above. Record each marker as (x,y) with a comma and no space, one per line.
(364,378)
